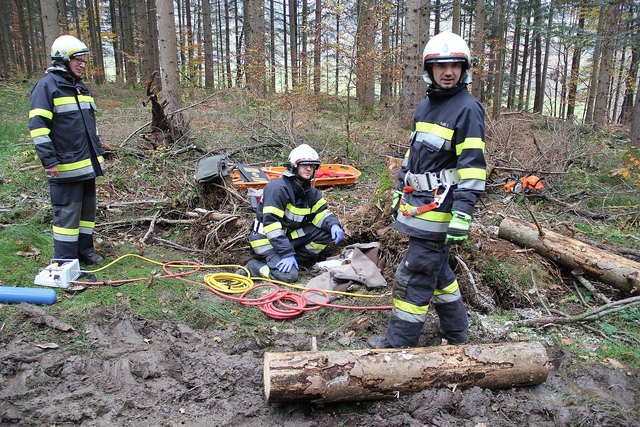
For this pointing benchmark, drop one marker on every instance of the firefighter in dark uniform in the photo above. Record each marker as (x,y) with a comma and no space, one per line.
(442,176)
(62,124)
(293,223)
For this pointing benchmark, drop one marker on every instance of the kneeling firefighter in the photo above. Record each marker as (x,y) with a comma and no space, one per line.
(293,223)
(442,175)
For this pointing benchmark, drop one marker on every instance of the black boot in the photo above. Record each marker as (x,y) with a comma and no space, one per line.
(378,341)
(453,322)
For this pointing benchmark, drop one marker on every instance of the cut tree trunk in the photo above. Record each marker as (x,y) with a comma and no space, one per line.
(617,271)
(353,375)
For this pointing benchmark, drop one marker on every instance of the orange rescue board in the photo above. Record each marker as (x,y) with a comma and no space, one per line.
(327,175)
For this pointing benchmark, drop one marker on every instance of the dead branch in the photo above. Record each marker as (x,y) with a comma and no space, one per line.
(483,300)
(152,227)
(574,208)
(589,315)
(175,245)
(143,220)
(584,282)
(108,205)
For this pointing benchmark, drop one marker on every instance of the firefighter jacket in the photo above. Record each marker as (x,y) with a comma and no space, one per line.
(62,124)
(288,205)
(448,134)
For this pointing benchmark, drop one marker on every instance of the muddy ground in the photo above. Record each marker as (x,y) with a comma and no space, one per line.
(142,372)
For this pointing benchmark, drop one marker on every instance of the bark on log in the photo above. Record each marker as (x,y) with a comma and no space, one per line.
(333,376)
(617,271)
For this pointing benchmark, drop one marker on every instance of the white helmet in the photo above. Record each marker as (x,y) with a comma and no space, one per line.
(66,47)
(446,47)
(302,155)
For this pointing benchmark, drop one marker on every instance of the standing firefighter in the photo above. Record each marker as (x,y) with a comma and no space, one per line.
(62,121)
(441,178)
(293,223)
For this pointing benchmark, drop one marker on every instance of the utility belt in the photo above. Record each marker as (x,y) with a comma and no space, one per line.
(431,180)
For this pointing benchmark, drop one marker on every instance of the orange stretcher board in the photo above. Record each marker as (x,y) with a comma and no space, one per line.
(327,175)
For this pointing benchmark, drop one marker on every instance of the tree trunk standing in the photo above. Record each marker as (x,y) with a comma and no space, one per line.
(575,63)
(49,14)
(227,43)
(479,76)
(7,63)
(238,36)
(254,47)
(148,46)
(437,17)
(317,47)
(515,51)
(272,47)
(366,54)
(386,71)
(630,81)
(167,45)
(208,44)
(545,64)
(188,24)
(304,66)
(500,52)
(285,48)
(293,42)
(617,271)
(24,21)
(455,17)
(412,46)
(525,57)
(127,38)
(116,34)
(355,375)
(600,108)
(337,50)
(538,95)
(635,121)
(75,13)
(595,61)
(62,16)
(95,42)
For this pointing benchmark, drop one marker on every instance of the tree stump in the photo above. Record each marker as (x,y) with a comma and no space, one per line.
(332,376)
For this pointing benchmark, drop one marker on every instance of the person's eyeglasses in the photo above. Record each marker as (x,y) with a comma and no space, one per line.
(80,61)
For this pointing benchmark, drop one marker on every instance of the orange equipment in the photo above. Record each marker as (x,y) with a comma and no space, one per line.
(527,184)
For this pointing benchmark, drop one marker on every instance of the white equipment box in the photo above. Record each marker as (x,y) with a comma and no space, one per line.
(59,274)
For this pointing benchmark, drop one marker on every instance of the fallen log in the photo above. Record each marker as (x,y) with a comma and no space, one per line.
(617,271)
(353,375)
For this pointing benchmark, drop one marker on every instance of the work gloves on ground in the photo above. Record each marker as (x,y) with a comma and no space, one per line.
(337,233)
(286,264)
(395,204)
(458,230)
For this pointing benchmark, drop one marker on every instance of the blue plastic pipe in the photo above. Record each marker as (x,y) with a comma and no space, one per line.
(16,294)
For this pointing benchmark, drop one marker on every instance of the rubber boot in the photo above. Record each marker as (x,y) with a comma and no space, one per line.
(453,322)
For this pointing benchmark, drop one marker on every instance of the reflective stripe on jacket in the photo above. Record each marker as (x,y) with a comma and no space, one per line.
(287,205)
(62,125)
(448,132)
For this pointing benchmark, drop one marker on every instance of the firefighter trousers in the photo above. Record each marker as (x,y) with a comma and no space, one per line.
(423,277)
(307,242)
(74,218)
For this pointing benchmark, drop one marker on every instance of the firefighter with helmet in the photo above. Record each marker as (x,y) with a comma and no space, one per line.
(442,176)
(293,222)
(62,125)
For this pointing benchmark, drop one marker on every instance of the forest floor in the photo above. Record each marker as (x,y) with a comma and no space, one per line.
(132,369)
